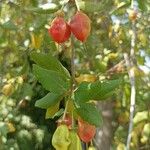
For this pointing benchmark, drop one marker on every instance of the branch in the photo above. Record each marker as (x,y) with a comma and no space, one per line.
(77,5)
(130,62)
(132,98)
(118,68)
(72,74)
(72,64)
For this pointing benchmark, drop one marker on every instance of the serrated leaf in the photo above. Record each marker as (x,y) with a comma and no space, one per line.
(50,112)
(95,91)
(49,100)
(51,80)
(102,90)
(89,113)
(49,62)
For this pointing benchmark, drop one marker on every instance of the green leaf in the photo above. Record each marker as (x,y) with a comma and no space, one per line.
(89,113)
(27,90)
(51,80)
(90,6)
(49,62)
(3,129)
(143,6)
(51,111)
(59,113)
(42,10)
(95,91)
(50,44)
(39,23)
(9,25)
(49,100)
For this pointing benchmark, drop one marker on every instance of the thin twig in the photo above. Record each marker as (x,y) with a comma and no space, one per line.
(130,62)
(132,98)
(64,4)
(65,111)
(77,5)
(72,74)
(72,64)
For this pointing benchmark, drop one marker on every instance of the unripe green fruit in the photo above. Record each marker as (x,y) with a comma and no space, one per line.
(61,139)
(75,141)
(91,148)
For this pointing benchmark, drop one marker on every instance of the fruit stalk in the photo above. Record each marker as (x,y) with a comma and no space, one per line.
(77,5)
(72,64)
(72,74)
(65,111)
(64,4)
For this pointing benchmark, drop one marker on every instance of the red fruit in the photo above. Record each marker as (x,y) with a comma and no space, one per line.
(80,26)
(86,132)
(59,30)
(67,121)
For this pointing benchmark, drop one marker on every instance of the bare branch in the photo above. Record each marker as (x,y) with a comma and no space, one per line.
(130,63)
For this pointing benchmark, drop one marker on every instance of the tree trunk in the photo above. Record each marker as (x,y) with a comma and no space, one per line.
(104,135)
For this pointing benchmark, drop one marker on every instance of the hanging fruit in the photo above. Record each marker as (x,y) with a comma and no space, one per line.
(86,131)
(61,139)
(75,141)
(67,121)
(80,26)
(59,30)
(91,148)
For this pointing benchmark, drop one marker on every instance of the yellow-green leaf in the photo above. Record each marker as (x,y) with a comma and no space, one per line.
(50,112)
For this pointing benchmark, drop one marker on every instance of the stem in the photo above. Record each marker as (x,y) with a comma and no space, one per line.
(86,144)
(72,64)
(72,74)
(65,111)
(77,5)
(64,5)
(130,62)
(73,123)
(132,3)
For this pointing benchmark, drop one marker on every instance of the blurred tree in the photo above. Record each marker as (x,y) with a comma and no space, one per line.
(23,29)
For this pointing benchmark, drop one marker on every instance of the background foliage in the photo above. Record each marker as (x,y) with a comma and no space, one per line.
(23,30)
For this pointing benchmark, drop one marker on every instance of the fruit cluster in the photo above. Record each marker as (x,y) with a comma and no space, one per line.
(79,25)
(67,137)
